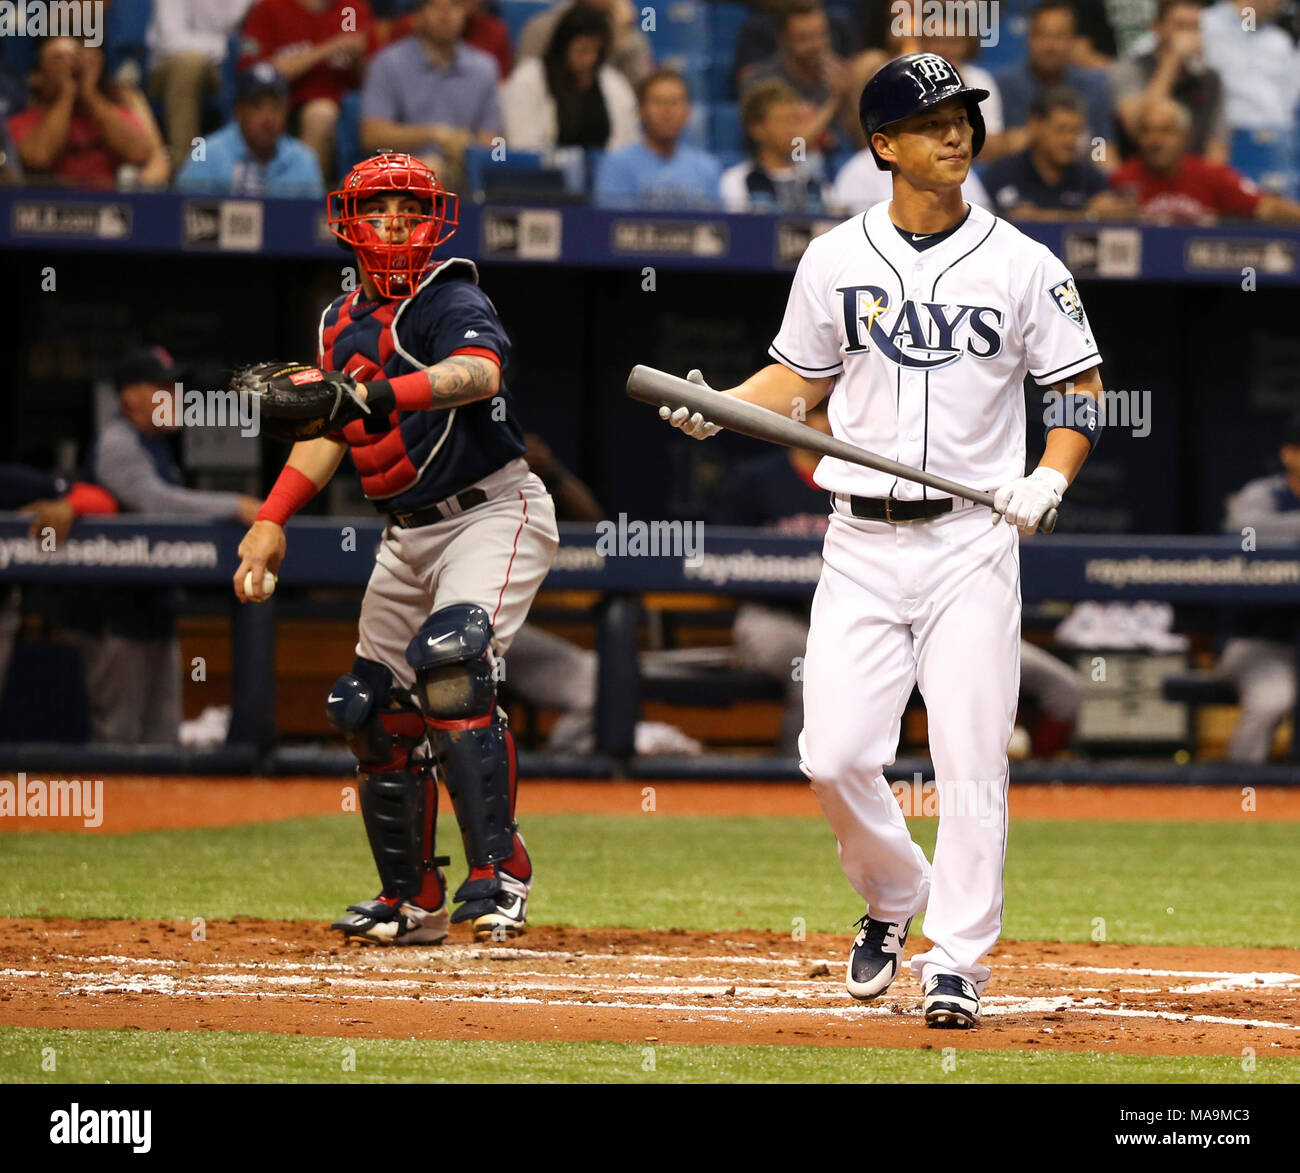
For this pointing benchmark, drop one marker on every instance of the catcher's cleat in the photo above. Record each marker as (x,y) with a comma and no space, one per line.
(383,922)
(497,904)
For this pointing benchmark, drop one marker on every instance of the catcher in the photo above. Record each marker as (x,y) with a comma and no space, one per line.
(409,377)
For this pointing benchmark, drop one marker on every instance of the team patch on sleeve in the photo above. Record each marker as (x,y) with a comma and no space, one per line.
(1068,301)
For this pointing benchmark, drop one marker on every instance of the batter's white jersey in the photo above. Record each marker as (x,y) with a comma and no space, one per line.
(929,348)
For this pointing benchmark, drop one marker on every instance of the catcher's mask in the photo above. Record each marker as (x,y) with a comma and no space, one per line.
(395,268)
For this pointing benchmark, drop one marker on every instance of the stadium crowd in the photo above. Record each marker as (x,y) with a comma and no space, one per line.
(1165,110)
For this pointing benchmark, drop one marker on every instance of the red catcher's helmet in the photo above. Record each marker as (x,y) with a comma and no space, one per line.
(395,269)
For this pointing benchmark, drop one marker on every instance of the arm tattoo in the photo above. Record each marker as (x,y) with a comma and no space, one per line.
(462,378)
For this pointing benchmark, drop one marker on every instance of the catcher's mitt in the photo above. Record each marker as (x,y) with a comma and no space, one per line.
(298,401)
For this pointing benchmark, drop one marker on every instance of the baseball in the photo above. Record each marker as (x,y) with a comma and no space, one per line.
(268,586)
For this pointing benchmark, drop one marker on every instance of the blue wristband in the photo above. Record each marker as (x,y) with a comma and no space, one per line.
(1077,412)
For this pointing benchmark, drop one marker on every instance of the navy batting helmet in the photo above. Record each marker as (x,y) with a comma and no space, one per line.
(906,86)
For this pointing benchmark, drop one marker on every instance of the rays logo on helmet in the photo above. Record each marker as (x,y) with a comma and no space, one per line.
(935,70)
(1068,301)
(921,336)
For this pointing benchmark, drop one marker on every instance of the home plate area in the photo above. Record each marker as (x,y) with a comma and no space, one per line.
(671,987)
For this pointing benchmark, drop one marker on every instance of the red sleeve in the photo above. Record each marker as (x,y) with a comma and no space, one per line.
(86,498)
(491,34)
(21,125)
(257,41)
(1234,194)
(479,352)
(503,52)
(1123,176)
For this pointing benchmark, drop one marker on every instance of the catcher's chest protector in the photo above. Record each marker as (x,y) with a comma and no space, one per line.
(358,339)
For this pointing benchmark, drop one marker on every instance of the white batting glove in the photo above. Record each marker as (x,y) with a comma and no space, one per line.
(693,425)
(1022,503)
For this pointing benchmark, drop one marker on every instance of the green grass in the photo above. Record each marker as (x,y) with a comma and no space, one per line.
(661,871)
(126,1056)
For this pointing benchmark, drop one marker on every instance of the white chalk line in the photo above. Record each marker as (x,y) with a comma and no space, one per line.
(748,999)
(1012,1006)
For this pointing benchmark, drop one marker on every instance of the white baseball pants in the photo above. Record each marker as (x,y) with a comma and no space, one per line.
(937,604)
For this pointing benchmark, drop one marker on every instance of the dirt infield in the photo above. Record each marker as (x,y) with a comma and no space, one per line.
(629,986)
(672,987)
(154,804)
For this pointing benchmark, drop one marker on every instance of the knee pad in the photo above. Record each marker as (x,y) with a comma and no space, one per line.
(452,658)
(381,727)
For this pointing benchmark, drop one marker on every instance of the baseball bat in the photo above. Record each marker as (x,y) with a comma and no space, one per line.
(661,389)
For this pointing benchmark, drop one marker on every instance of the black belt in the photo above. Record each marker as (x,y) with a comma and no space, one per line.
(431,513)
(893,510)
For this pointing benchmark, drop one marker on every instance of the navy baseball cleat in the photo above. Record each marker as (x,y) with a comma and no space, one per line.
(876,956)
(383,921)
(495,901)
(951,1002)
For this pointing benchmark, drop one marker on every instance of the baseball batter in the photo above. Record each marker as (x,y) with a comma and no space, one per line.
(413,358)
(918,321)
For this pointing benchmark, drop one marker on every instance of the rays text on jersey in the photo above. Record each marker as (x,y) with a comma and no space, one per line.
(920,335)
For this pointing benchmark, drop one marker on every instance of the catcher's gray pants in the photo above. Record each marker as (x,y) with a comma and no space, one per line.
(495,554)
(1264,673)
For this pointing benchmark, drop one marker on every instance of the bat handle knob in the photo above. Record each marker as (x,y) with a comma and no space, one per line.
(1048,522)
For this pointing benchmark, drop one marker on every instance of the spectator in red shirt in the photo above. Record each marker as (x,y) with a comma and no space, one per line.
(76,130)
(319,46)
(1166,184)
(492,35)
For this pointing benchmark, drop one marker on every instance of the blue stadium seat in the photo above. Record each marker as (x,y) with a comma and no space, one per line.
(725,21)
(1266,156)
(347,144)
(478,161)
(19,53)
(517,13)
(1010,46)
(125,33)
(681,29)
(725,131)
